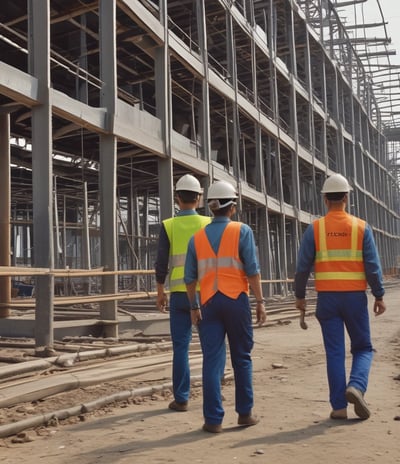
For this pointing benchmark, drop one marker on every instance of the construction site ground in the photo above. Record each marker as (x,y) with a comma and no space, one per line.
(291,399)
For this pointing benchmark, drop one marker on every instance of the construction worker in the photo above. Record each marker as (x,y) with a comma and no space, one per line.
(222,257)
(342,250)
(173,239)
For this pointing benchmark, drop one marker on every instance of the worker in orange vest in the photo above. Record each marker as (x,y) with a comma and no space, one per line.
(222,257)
(342,250)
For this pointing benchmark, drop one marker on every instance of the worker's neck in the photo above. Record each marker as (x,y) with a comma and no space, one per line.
(336,206)
(187,206)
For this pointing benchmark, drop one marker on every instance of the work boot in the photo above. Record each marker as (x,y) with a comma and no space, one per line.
(246,420)
(212,428)
(181,407)
(340,414)
(356,397)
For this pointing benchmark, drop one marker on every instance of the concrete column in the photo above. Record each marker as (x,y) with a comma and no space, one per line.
(108,162)
(234,134)
(5,195)
(205,107)
(163,112)
(42,173)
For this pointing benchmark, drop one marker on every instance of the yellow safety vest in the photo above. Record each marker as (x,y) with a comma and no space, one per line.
(179,231)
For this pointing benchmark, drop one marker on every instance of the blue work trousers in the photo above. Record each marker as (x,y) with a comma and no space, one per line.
(181,335)
(222,316)
(335,312)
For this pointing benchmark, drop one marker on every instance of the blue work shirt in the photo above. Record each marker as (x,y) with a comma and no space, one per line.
(214,230)
(306,258)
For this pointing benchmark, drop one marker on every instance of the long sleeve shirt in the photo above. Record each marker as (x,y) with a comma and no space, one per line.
(306,258)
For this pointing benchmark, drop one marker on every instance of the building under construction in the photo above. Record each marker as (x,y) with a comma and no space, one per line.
(105,103)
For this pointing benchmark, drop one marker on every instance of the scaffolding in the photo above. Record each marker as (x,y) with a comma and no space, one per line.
(105,103)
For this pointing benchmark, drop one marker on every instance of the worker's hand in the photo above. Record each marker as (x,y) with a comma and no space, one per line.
(301,305)
(260,313)
(195,315)
(162,302)
(379,307)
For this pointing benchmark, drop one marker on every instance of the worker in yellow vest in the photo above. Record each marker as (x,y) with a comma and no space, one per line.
(174,235)
(342,250)
(222,257)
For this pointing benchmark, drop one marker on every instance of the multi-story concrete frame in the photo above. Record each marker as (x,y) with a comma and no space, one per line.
(108,101)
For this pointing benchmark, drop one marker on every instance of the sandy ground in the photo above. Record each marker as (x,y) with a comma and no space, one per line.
(290,399)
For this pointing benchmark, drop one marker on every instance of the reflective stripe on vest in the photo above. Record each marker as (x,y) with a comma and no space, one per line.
(179,231)
(339,262)
(222,271)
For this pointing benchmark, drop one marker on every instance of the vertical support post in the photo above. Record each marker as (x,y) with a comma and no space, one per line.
(139,232)
(57,246)
(235,131)
(295,156)
(144,257)
(5,195)
(205,107)
(312,137)
(264,236)
(108,161)
(324,147)
(271,33)
(42,173)
(86,261)
(82,91)
(163,112)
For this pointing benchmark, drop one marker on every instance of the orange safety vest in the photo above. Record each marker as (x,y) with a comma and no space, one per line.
(223,271)
(339,265)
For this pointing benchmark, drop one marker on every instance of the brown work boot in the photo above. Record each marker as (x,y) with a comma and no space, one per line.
(246,420)
(212,428)
(181,407)
(340,414)
(356,397)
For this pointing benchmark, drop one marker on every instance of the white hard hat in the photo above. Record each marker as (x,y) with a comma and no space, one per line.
(188,183)
(221,190)
(336,183)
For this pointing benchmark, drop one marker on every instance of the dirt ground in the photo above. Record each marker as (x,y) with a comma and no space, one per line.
(290,399)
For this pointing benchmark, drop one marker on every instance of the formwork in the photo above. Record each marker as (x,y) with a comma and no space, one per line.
(106,103)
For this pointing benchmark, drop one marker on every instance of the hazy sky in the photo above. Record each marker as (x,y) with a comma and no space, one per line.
(391,13)
(371,12)
(368,12)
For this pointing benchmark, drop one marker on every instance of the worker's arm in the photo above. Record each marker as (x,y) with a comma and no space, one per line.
(255,285)
(305,262)
(191,279)
(161,269)
(162,298)
(195,312)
